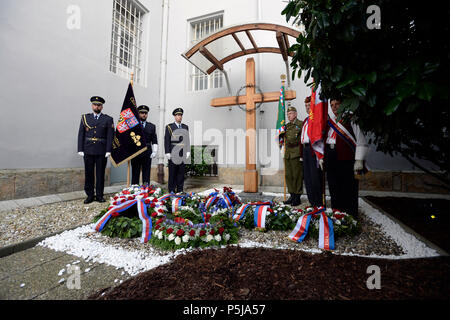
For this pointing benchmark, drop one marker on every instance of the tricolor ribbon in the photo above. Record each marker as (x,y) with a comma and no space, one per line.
(142,211)
(146,221)
(240,212)
(177,203)
(227,200)
(260,214)
(210,201)
(326,233)
(165,197)
(343,133)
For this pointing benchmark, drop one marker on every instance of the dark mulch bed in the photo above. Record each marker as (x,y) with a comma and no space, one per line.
(416,214)
(263,274)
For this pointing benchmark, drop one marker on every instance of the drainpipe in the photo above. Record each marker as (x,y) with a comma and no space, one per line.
(162,89)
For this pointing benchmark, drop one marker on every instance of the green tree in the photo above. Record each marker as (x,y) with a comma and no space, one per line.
(393,79)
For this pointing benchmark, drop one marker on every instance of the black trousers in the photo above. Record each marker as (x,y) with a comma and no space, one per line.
(313,176)
(176,177)
(144,162)
(341,182)
(97,164)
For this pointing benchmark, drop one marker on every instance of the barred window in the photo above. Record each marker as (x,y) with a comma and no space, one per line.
(199,29)
(126,40)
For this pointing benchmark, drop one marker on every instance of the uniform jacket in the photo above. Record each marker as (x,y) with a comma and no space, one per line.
(150,135)
(174,136)
(292,137)
(95,136)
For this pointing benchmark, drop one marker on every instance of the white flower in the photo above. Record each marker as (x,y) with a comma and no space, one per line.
(217,237)
(177,240)
(171,237)
(209,237)
(160,236)
(227,237)
(186,238)
(337,222)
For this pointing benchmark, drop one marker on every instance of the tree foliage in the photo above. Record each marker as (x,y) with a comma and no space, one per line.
(393,79)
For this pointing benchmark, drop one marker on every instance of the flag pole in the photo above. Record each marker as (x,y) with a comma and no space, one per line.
(283,80)
(129,161)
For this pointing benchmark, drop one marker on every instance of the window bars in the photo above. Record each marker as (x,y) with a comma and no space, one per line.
(199,30)
(126,40)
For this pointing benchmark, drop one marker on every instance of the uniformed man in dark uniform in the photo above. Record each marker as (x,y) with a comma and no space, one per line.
(144,160)
(177,149)
(293,157)
(94,144)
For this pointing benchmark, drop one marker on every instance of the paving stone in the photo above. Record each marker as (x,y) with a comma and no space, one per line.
(38,279)
(29,202)
(49,199)
(8,205)
(71,195)
(27,259)
(99,277)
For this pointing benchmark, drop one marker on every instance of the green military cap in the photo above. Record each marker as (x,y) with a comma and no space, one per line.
(291,109)
(97,100)
(177,111)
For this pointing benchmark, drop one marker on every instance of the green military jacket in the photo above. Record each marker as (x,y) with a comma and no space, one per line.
(292,139)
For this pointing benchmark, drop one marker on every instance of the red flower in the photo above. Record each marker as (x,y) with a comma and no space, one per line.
(126,192)
(160,210)
(154,214)
(208,216)
(152,205)
(110,207)
(159,221)
(192,233)
(221,230)
(169,231)
(130,197)
(212,231)
(157,227)
(202,233)
(115,214)
(147,201)
(180,232)
(116,197)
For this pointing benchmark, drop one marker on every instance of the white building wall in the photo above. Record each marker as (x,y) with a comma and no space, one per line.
(49,73)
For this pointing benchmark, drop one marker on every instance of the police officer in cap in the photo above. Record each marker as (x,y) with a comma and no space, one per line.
(94,145)
(177,150)
(293,157)
(144,160)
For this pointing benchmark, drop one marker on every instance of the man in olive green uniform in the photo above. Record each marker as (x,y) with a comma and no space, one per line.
(293,157)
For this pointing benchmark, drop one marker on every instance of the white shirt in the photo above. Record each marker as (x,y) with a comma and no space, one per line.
(305,137)
(97,115)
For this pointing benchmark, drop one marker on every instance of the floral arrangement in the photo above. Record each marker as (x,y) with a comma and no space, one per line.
(192,220)
(178,221)
(343,223)
(280,217)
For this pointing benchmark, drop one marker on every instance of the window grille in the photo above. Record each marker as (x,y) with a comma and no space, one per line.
(200,29)
(126,40)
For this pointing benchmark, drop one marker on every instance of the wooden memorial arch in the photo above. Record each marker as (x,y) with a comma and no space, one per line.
(212,52)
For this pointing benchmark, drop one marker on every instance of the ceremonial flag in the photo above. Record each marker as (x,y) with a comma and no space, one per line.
(128,139)
(317,123)
(281,120)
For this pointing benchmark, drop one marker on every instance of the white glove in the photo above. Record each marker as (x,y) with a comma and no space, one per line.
(154,151)
(321,164)
(107,154)
(81,153)
(358,166)
(188,154)
(301,159)
(168,156)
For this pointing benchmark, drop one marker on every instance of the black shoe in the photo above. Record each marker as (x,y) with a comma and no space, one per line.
(289,201)
(100,199)
(88,200)
(296,200)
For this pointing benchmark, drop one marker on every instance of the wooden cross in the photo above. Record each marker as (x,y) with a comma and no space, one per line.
(250,99)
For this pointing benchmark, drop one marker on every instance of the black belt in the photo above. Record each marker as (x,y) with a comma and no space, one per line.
(95,139)
(306,144)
